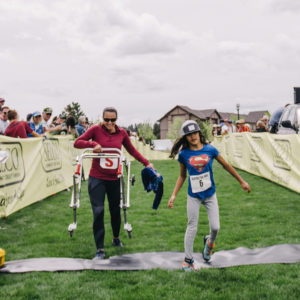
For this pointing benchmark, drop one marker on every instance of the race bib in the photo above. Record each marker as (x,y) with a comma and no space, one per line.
(200,183)
(109,163)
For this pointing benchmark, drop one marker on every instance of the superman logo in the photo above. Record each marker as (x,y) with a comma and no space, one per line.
(199,162)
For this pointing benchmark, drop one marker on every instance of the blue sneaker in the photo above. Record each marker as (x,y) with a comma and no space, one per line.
(188,265)
(100,254)
(117,242)
(208,248)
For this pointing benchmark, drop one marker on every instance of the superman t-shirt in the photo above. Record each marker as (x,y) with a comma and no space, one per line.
(199,166)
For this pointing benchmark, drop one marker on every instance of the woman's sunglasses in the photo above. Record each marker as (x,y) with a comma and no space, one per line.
(112,120)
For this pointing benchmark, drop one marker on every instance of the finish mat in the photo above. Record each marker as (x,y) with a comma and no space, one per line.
(285,253)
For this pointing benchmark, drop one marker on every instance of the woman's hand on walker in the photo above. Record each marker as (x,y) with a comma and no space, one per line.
(245,186)
(170,203)
(97,149)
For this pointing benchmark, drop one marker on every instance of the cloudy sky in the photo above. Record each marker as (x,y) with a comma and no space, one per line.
(144,57)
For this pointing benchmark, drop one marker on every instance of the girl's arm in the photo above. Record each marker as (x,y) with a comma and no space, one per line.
(178,185)
(234,173)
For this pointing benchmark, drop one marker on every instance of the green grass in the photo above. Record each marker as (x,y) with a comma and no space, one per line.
(268,215)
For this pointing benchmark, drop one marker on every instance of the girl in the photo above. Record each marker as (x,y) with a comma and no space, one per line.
(196,157)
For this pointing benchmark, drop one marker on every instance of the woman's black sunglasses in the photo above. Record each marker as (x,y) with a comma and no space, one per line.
(112,120)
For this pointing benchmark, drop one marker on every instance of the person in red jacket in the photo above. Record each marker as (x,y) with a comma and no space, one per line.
(103,179)
(18,129)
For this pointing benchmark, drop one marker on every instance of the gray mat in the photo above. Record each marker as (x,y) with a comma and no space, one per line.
(285,253)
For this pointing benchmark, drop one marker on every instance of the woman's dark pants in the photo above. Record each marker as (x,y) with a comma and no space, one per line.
(97,189)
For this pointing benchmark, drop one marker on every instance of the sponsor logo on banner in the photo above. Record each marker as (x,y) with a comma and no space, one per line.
(238,146)
(13,170)
(282,154)
(51,155)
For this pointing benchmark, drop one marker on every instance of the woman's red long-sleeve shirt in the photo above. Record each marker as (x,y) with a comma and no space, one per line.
(99,135)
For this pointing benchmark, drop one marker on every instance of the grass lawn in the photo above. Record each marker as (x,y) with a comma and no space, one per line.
(268,215)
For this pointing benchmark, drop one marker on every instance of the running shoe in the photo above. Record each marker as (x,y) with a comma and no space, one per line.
(188,265)
(208,248)
(100,254)
(117,242)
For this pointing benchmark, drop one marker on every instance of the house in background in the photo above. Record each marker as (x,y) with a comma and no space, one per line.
(212,115)
(185,113)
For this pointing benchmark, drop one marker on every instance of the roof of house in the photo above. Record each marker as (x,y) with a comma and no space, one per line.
(201,114)
(254,116)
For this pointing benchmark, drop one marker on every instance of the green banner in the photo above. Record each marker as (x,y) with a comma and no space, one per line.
(35,169)
(271,156)
(38,168)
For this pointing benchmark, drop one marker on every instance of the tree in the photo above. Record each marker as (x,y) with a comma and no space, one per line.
(133,128)
(156,130)
(146,132)
(74,110)
(206,130)
(174,132)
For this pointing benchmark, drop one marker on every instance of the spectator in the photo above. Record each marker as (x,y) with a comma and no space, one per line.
(243,127)
(2,100)
(81,126)
(219,130)
(214,130)
(265,120)
(260,126)
(18,128)
(58,125)
(232,126)
(36,123)
(71,126)
(47,113)
(4,120)
(237,126)
(227,127)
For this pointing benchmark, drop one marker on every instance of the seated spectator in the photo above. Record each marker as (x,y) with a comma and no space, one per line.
(243,127)
(4,119)
(18,129)
(36,123)
(71,126)
(260,126)
(2,101)
(81,126)
(46,115)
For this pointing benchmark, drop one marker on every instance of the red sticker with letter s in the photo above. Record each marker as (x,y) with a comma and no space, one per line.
(109,163)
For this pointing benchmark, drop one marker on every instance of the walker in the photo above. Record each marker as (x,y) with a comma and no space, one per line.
(113,158)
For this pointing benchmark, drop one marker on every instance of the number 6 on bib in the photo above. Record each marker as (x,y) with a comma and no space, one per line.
(200,183)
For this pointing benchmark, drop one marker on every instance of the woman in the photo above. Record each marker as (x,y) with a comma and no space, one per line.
(103,179)
(36,124)
(196,157)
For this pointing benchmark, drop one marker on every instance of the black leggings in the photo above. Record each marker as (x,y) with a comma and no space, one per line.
(97,189)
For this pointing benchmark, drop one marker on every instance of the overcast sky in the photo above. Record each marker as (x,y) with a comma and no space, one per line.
(144,57)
